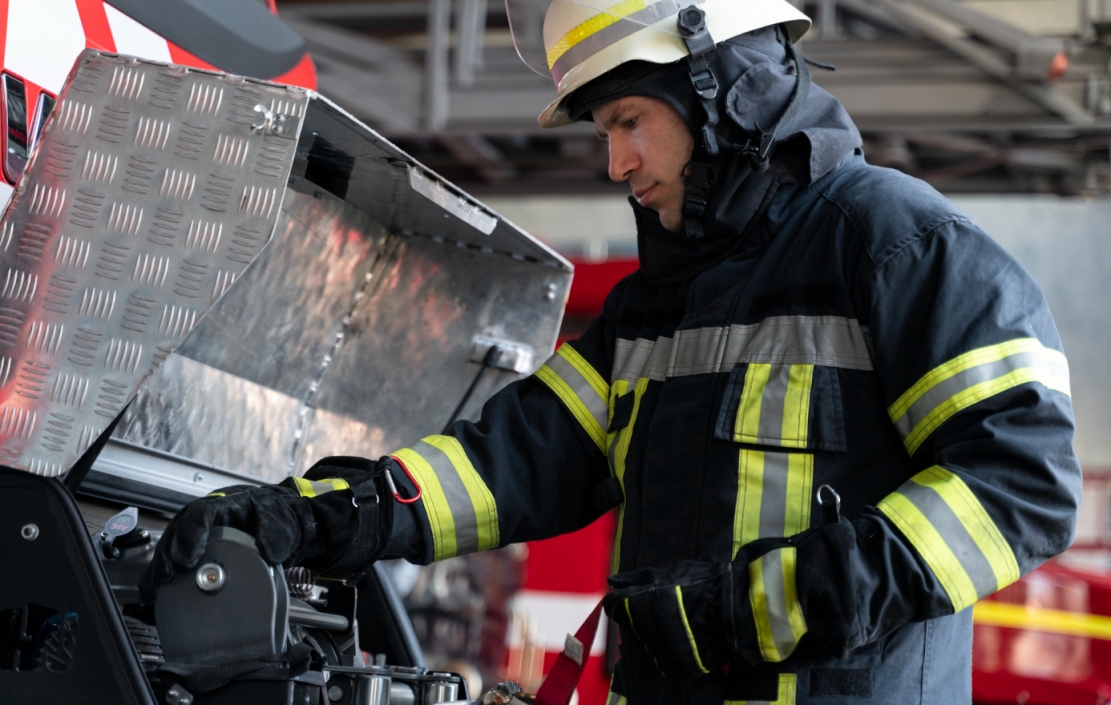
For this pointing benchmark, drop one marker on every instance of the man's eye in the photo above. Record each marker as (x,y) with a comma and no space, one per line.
(630,123)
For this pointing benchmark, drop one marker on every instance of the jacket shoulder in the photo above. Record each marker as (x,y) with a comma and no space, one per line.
(888,209)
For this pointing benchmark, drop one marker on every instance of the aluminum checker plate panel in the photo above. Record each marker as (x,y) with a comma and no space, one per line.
(151,190)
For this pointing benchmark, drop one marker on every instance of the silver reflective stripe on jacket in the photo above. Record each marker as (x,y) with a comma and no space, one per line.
(831,341)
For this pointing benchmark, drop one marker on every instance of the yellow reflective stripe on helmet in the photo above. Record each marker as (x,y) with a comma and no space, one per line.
(315,488)
(953,533)
(787,694)
(687,626)
(775,607)
(595,24)
(971,378)
(216,494)
(581,389)
(461,509)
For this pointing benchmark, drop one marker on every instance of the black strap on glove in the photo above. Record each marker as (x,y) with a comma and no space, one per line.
(336,520)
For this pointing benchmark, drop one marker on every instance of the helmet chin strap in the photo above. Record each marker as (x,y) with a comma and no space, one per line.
(699,174)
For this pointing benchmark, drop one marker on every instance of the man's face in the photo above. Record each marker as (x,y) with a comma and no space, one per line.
(649,145)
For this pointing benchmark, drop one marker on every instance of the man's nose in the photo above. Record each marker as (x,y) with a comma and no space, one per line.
(623,159)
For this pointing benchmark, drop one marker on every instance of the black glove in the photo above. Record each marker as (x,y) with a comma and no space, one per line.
(693,617)
(336,519)
(682,614)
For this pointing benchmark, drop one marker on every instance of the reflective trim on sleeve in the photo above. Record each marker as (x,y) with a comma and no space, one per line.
(775,607)
(581,389)
(314,488)
(614,699)
(788,689)
(971,378)
(687,626)
(953,533)
(460,507)
(830,341)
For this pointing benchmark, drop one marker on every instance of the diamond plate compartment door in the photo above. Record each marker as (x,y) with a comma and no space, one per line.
(152,188)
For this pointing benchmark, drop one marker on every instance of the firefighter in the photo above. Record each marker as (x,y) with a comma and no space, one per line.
(832,412)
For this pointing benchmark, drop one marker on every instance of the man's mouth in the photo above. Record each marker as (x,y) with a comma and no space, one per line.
(643,194)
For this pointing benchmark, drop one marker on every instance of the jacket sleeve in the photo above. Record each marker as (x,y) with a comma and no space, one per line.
(530,468)
(977,388)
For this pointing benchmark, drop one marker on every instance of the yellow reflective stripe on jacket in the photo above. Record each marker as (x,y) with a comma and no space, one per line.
(773,489)
(773,495)
(971,378)
(619,442)
(614,699)
(461,509)
(315,488)
(775,606)
(953,533)
(581,389)
(788,690)
(775,405)
(687,626)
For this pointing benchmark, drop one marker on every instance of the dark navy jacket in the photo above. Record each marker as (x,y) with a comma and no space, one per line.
(864,334)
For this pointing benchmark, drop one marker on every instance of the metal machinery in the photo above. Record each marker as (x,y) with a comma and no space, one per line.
(208,280)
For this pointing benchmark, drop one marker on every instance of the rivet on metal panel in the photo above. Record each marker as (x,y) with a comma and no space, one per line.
(267,121)
(550,293)
(29,532)
(198,477)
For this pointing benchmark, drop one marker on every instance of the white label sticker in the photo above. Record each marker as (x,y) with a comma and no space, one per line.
(574,649)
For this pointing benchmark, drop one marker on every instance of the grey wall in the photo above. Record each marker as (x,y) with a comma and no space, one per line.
(1066,245)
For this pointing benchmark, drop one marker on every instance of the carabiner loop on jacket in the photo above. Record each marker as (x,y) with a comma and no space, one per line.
(831,506)
(393,487)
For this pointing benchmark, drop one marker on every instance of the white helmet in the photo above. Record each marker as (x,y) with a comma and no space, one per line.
(579,40)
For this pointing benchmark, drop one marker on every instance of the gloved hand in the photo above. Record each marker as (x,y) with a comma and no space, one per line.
(682,614)
(336,519)
(693,617)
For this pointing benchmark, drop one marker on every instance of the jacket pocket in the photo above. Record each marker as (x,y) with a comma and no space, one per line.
(783,406)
